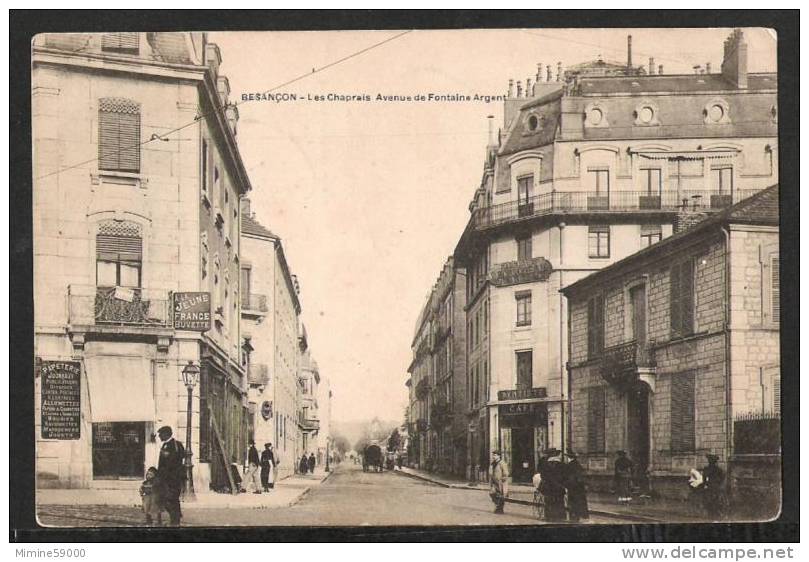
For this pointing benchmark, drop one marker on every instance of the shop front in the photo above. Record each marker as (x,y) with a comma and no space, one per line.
(523,424)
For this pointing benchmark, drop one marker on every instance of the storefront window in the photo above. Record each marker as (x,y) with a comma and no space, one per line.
(118,450)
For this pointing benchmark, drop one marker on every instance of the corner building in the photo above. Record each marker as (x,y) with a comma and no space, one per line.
(589,168)
(149,212)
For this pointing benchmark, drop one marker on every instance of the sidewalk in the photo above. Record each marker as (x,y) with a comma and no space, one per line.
(286,493)
(654,511)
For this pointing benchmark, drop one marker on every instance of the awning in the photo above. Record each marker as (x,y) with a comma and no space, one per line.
(121,388)
(687,155)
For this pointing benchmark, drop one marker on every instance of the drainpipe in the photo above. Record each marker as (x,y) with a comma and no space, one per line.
(562,371)
(728,394)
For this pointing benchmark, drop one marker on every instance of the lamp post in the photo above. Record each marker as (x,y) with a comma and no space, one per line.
(328,453)
(190,376)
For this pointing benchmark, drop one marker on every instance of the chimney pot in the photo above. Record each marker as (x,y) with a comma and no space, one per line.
(511,88)
(519,88)
(651,65)
(539,72)
(629,52)
(660,69)
(559,71)
(549,74)
(707,68)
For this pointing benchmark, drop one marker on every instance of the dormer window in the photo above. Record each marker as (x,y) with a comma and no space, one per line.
(595,115)
(716,112)
(646,114)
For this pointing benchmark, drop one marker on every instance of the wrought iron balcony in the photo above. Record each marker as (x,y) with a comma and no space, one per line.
(258,374)
(118,306)
(254,302)
(602,202)
(621,364)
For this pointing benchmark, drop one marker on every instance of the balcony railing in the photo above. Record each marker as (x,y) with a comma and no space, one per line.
(620,364)
(118,306)
(258,374)
(599,202)
(254,302)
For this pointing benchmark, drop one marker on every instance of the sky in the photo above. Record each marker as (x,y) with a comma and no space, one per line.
(370,198)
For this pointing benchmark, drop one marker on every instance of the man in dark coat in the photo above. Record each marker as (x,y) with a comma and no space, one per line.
(312,462)
(623,478)
(552,486)
(303,465)
(171,471)
(267,465)
(253,467)
(498,482)
(576,485)
(712,479)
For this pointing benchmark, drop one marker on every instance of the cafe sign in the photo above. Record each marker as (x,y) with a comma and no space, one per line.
(60,383)
(525,414)
(192,311)
(522,393)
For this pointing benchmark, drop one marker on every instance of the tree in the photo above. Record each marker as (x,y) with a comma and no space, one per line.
(341,444)
(394,440)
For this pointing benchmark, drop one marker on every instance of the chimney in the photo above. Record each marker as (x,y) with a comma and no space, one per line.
(510,88)
(707,68)
(246,206)
(529,88)
(734,62)
(559,71)
(629,52)
(490,119)
(660,69)
(223,87)
(539,72)
(690,213)
(213,58)
(549,74)
(651,66)
(519,88)
(232,116)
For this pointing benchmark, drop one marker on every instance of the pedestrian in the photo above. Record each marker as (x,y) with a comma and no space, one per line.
(171,473)
(251,472)
(312,463)
(150,498)
(267,466)
(498,482)
(712,497)
(303,465)
(576,485)
(552,486)
(623,478)
(399,461)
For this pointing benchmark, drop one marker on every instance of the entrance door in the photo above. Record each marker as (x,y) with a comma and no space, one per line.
(522,453)
(638,426)
(119,450)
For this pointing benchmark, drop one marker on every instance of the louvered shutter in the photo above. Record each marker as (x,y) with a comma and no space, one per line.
(682,412)
(119,242)
(675,311)
(775,288)
(119,135)
(687,297)
(591,334)
(120,42)
(599,324)
(776,394)
(595,420)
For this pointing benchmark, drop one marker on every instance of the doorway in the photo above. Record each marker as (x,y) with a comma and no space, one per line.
(522,453)
(119,450)
(638,426)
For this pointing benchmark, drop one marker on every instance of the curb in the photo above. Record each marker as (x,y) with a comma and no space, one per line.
(612,514)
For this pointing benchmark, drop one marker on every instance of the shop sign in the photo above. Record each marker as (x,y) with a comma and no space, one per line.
(61,399)
(529,414)
(192,311)
(522,393)
(266,409)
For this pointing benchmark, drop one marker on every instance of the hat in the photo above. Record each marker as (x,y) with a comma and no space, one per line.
(552,452)
(496,452)
(711,458)
(620,453)
(268,444)
(164,429)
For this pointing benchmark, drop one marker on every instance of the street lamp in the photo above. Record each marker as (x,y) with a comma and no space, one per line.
(190,376)
(328,453)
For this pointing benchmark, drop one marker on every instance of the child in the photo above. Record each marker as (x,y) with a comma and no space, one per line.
(150,494)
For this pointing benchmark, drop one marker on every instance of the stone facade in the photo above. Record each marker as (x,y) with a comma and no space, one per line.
(114,239)
(731,349)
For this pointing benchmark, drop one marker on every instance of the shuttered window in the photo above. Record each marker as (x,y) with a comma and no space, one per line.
(595,326)
(525,368)
(120,42)
(681,305)
(596,420)
(775,289)
(119,254)
(682,412)
(776,394)
(119,135)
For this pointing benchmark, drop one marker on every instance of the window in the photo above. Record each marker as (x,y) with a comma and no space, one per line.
(600,180)
(653,181)
(119,255)
(525,367)
(681,302)
(118,135)
(524,251)
(595,326)
(637,310)
(596,420)
(525,188)
(682,412)
(650,234)
(523,308)
(775,289)
(204,172)
(598,241)
(120,42)
(722,179)
(246,289)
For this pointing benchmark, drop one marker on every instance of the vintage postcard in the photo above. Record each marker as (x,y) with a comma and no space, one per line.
(406,277)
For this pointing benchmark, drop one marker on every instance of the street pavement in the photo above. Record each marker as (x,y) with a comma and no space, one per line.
(349,497)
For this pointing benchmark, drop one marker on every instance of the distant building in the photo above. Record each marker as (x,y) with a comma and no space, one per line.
(309,413)
(590,168)
(270,310)
(127,215)
(674,353)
